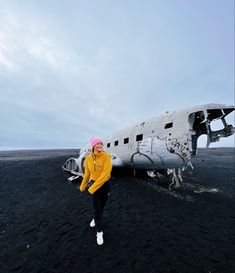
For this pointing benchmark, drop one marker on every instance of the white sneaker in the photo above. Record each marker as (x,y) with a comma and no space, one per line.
(99,238)
(92,223)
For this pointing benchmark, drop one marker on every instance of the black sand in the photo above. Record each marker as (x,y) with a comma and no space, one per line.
(44,220)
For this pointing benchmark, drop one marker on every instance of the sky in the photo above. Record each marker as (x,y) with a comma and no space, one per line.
(70,70)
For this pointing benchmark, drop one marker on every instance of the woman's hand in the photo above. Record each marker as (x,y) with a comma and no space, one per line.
(79,188)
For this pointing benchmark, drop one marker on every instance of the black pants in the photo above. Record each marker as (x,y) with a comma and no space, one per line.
(99,199)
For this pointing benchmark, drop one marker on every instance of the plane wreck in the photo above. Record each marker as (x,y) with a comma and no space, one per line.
(163,144)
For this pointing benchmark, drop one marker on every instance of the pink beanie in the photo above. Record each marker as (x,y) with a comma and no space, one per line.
(94,141)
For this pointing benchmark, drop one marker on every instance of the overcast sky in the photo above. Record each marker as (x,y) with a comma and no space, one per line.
(70,70)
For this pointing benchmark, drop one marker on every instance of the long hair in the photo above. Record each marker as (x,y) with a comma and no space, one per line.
(93,155)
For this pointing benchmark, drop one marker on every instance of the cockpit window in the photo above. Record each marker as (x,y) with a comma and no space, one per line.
(216,124)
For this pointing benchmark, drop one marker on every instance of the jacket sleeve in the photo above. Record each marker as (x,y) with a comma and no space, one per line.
(104,176)
(86,176)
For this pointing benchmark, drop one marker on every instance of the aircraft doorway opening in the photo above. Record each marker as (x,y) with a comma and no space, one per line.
(198,127)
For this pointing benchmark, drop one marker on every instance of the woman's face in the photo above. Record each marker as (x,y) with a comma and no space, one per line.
(98,147)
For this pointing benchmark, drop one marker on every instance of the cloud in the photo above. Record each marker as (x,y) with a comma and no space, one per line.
(44,50)
(66,78)
(26,43)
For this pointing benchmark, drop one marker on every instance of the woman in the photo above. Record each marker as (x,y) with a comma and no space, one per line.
(98,166)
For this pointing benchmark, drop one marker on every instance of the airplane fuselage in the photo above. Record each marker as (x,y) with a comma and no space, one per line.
(164,142)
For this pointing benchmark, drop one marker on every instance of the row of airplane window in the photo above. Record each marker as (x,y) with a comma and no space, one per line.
(138,137)
(126,140)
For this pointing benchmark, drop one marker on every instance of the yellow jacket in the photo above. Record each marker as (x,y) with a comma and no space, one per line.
(97,167)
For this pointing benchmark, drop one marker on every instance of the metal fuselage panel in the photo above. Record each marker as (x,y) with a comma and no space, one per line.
(153,151)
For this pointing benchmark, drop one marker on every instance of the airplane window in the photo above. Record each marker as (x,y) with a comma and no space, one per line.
(108,145)
(116,143)
(139,137)
(126,140)
(169,125)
